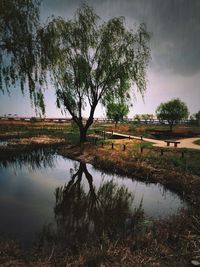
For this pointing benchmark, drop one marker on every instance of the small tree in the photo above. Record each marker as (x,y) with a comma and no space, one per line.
(117,111)
(172,112)
(137,118)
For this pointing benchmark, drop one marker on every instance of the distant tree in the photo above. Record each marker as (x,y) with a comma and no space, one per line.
(117,111)
(151,117)
(144,117)
(172,112)
(192,119)
(89,61)
(147,117)
(197,117)
(137,117)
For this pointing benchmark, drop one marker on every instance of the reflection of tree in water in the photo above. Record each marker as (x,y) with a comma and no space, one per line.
(83,217)
(32,158)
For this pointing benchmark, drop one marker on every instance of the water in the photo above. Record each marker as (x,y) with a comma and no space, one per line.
(3,143)
(78,201)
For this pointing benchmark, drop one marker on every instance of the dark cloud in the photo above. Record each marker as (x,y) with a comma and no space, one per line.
(174,24)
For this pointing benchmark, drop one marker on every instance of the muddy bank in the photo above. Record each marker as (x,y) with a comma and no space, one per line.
(174,242)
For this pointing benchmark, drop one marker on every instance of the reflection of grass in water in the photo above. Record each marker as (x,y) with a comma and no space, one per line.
(32,158)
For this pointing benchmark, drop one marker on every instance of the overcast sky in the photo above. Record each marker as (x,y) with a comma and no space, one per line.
(174,70)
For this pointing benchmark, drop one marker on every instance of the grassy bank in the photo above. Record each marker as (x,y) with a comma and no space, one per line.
(175,173)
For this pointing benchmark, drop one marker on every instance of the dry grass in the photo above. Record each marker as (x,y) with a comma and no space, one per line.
(37,140)
(172,242)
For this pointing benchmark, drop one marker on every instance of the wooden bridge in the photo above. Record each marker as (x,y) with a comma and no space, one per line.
(116,135)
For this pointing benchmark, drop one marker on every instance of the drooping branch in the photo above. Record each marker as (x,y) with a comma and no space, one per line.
(89,62)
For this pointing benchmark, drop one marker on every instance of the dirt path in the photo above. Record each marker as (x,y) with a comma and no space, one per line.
(184,143)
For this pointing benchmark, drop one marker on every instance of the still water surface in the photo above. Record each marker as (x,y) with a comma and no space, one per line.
(39,190)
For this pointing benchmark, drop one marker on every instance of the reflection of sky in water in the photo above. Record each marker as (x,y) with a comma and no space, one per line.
(27,196)
(156,201)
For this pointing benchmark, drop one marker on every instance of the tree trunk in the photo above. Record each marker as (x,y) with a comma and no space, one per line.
(83,134)
(171,126)
(83,129)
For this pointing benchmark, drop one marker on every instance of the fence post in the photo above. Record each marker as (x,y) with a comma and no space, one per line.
(141,149)
(161,152)
(112,146)
(124,147)
(182,154)
(141,137)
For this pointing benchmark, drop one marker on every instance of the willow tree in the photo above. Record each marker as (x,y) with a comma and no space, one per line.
(19,22)
(89,60)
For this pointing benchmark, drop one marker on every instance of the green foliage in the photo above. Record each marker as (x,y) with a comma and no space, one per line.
(147,117)
(74,128)
(92,62)
(144,117)
(88,61)
(173,111)
(189,163)
(117,111)
(137,118)
(33,119)
(197,117)
(19,21)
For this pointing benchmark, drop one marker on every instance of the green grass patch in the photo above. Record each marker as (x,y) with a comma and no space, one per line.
(173,159)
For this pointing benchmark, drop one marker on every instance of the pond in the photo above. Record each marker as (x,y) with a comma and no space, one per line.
(46,196)
(3,143)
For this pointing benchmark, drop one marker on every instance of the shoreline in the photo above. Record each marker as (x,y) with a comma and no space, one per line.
(187,187)
(183,183)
